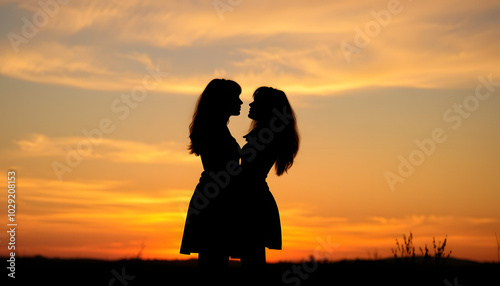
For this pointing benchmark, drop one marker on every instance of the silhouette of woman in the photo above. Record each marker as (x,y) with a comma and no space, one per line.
(206,227)
(273,140)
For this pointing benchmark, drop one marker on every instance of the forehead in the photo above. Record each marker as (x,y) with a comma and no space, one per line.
(233,94)
(259,96)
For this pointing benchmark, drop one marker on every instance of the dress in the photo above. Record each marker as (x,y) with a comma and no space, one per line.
(207,222)
(259,221)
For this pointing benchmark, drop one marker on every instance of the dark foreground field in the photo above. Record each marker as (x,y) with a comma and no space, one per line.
(42,271)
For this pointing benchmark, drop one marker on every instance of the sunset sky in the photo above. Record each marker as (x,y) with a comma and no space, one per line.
(398,107)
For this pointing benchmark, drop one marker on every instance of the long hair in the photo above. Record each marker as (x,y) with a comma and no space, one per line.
(275,102)
(211,108)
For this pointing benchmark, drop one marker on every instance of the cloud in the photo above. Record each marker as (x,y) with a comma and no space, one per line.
(79,201)
(483,220)
(107,45)
(99,218)
(302,229)
(121,151)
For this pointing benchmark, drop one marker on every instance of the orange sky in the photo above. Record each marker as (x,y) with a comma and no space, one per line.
(371,83)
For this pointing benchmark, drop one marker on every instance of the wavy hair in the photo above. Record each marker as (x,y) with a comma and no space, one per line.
(287,140)
(212,108)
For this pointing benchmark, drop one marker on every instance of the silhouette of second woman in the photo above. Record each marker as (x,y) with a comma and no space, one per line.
(272,141)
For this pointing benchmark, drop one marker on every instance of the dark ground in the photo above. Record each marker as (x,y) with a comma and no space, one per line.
(42,271)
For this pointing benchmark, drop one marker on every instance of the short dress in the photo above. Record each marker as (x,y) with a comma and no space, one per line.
(207,226)
(257,213)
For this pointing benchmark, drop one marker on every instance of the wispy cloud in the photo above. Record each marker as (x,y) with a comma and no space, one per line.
(43,194)
(352,236)
(100,218)
(99,45)
(123,151)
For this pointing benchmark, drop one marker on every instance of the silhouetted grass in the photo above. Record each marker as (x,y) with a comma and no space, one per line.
(405,252)
(498,247)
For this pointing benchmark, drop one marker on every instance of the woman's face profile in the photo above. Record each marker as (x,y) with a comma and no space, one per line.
(235,105)
(256,108)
